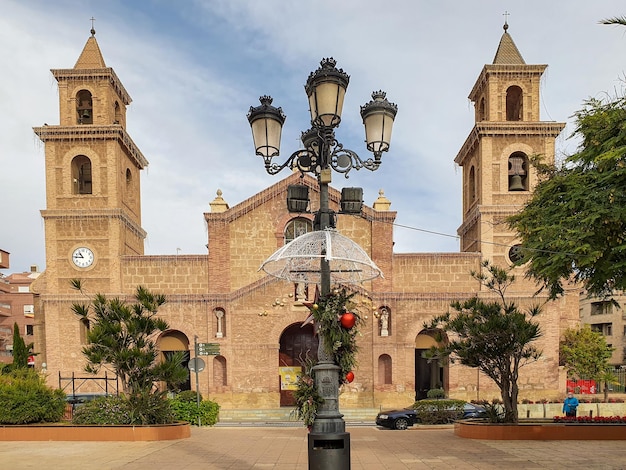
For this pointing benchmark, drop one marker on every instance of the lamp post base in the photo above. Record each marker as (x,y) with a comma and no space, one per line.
(328,418)
(329,451)
(329,443)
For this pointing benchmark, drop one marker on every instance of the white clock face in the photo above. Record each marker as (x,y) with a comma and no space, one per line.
(82,257)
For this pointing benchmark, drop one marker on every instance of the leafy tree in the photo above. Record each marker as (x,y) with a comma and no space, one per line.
(21,351)
(584,353)
(494,336)
(121,336)
(574,226)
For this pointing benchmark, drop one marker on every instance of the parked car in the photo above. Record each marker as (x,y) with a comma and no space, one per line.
(79,399)
(402,419)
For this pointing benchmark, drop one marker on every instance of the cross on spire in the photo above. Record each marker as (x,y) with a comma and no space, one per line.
(93,31)
(506,15)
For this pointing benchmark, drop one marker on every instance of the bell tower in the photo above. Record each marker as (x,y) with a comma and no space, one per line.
(507,133)
(93,207)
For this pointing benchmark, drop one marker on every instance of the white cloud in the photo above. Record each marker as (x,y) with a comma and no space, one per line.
(194,68)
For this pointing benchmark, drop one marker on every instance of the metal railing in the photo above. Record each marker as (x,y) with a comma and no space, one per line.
(100,384)
(620,386)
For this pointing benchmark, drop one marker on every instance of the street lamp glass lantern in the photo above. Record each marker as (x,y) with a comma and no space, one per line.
(326,89)
(266,122)
(378,116)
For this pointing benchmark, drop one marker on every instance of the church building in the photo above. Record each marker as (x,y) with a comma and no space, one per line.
(93,232)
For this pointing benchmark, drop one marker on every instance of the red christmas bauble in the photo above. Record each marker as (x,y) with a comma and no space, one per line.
(348,320)
(350,376)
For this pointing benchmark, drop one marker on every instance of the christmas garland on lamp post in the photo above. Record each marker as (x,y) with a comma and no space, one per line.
(337,322)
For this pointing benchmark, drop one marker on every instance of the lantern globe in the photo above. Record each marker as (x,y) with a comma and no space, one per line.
(378,117)
(266,122)
(326,89)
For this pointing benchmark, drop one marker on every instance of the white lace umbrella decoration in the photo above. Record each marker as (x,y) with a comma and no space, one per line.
(299,260)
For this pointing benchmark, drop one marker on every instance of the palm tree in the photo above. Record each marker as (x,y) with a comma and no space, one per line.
(607,377)
(615,20)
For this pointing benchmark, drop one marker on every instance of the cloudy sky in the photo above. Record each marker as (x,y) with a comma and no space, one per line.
(194,67)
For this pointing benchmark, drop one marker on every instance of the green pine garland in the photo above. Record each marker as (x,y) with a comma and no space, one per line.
(339,341)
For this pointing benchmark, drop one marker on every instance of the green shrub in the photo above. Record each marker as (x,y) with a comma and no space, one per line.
(186,410)
(151,408)
(148,408)
(187,395)
(25,398)
(495,412)
(438,411)
(103,410)
(436,393)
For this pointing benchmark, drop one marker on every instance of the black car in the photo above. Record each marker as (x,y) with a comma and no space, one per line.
(402,419)
(79,399)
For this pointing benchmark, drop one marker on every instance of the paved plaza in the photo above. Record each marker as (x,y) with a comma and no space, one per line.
(286,448)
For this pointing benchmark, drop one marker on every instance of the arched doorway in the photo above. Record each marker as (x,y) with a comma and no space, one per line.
(297,343)
(427,375)
(171,342)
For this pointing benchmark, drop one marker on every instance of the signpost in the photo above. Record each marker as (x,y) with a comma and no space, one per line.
(197,364)
(207,349)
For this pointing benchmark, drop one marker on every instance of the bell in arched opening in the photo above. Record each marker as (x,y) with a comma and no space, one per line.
(516,183)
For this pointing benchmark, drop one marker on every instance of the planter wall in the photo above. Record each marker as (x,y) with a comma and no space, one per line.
(550,410)
(69,432)
(541,431)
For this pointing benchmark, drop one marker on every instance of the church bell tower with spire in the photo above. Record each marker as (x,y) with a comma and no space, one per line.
(497,175)
(93,207)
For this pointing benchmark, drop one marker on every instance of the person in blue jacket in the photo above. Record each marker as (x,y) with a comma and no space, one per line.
(570,405)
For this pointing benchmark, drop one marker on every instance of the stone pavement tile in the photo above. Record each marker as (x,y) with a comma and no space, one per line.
(280,448)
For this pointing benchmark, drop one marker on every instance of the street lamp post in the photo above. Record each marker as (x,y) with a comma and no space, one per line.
(322,153)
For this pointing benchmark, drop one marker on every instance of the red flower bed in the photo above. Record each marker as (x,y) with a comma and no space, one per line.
(588,419)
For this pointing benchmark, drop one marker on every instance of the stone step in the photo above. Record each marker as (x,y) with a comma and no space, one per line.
(286,414)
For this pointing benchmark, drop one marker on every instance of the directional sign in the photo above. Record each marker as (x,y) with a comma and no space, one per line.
(208,349)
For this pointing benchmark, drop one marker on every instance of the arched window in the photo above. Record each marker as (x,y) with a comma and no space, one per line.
(518,172)
(84,107)
(118,114)
(384,369)
(481,110)
(81,175)
(471,185)
(514,103)
(220,378)
(84,326)
(297,227)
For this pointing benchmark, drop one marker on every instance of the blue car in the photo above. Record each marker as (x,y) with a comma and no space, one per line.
(402,419)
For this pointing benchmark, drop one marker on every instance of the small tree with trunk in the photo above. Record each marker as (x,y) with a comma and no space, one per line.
(585,355)
(494,336)
(123,336)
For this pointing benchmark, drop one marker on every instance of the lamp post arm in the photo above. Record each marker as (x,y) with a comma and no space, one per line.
(343,160)
(301,159)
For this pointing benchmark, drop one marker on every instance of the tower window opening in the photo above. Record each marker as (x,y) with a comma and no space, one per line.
(81,175)
(514,103)
(472,185)
(84,107)
(518,172)
(118,114)
(481,110)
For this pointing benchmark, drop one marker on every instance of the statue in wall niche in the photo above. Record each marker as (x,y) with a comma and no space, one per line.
(384,322)
(219,314)
(302,291)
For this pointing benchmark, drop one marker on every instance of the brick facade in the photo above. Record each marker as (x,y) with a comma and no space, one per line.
(221,297)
